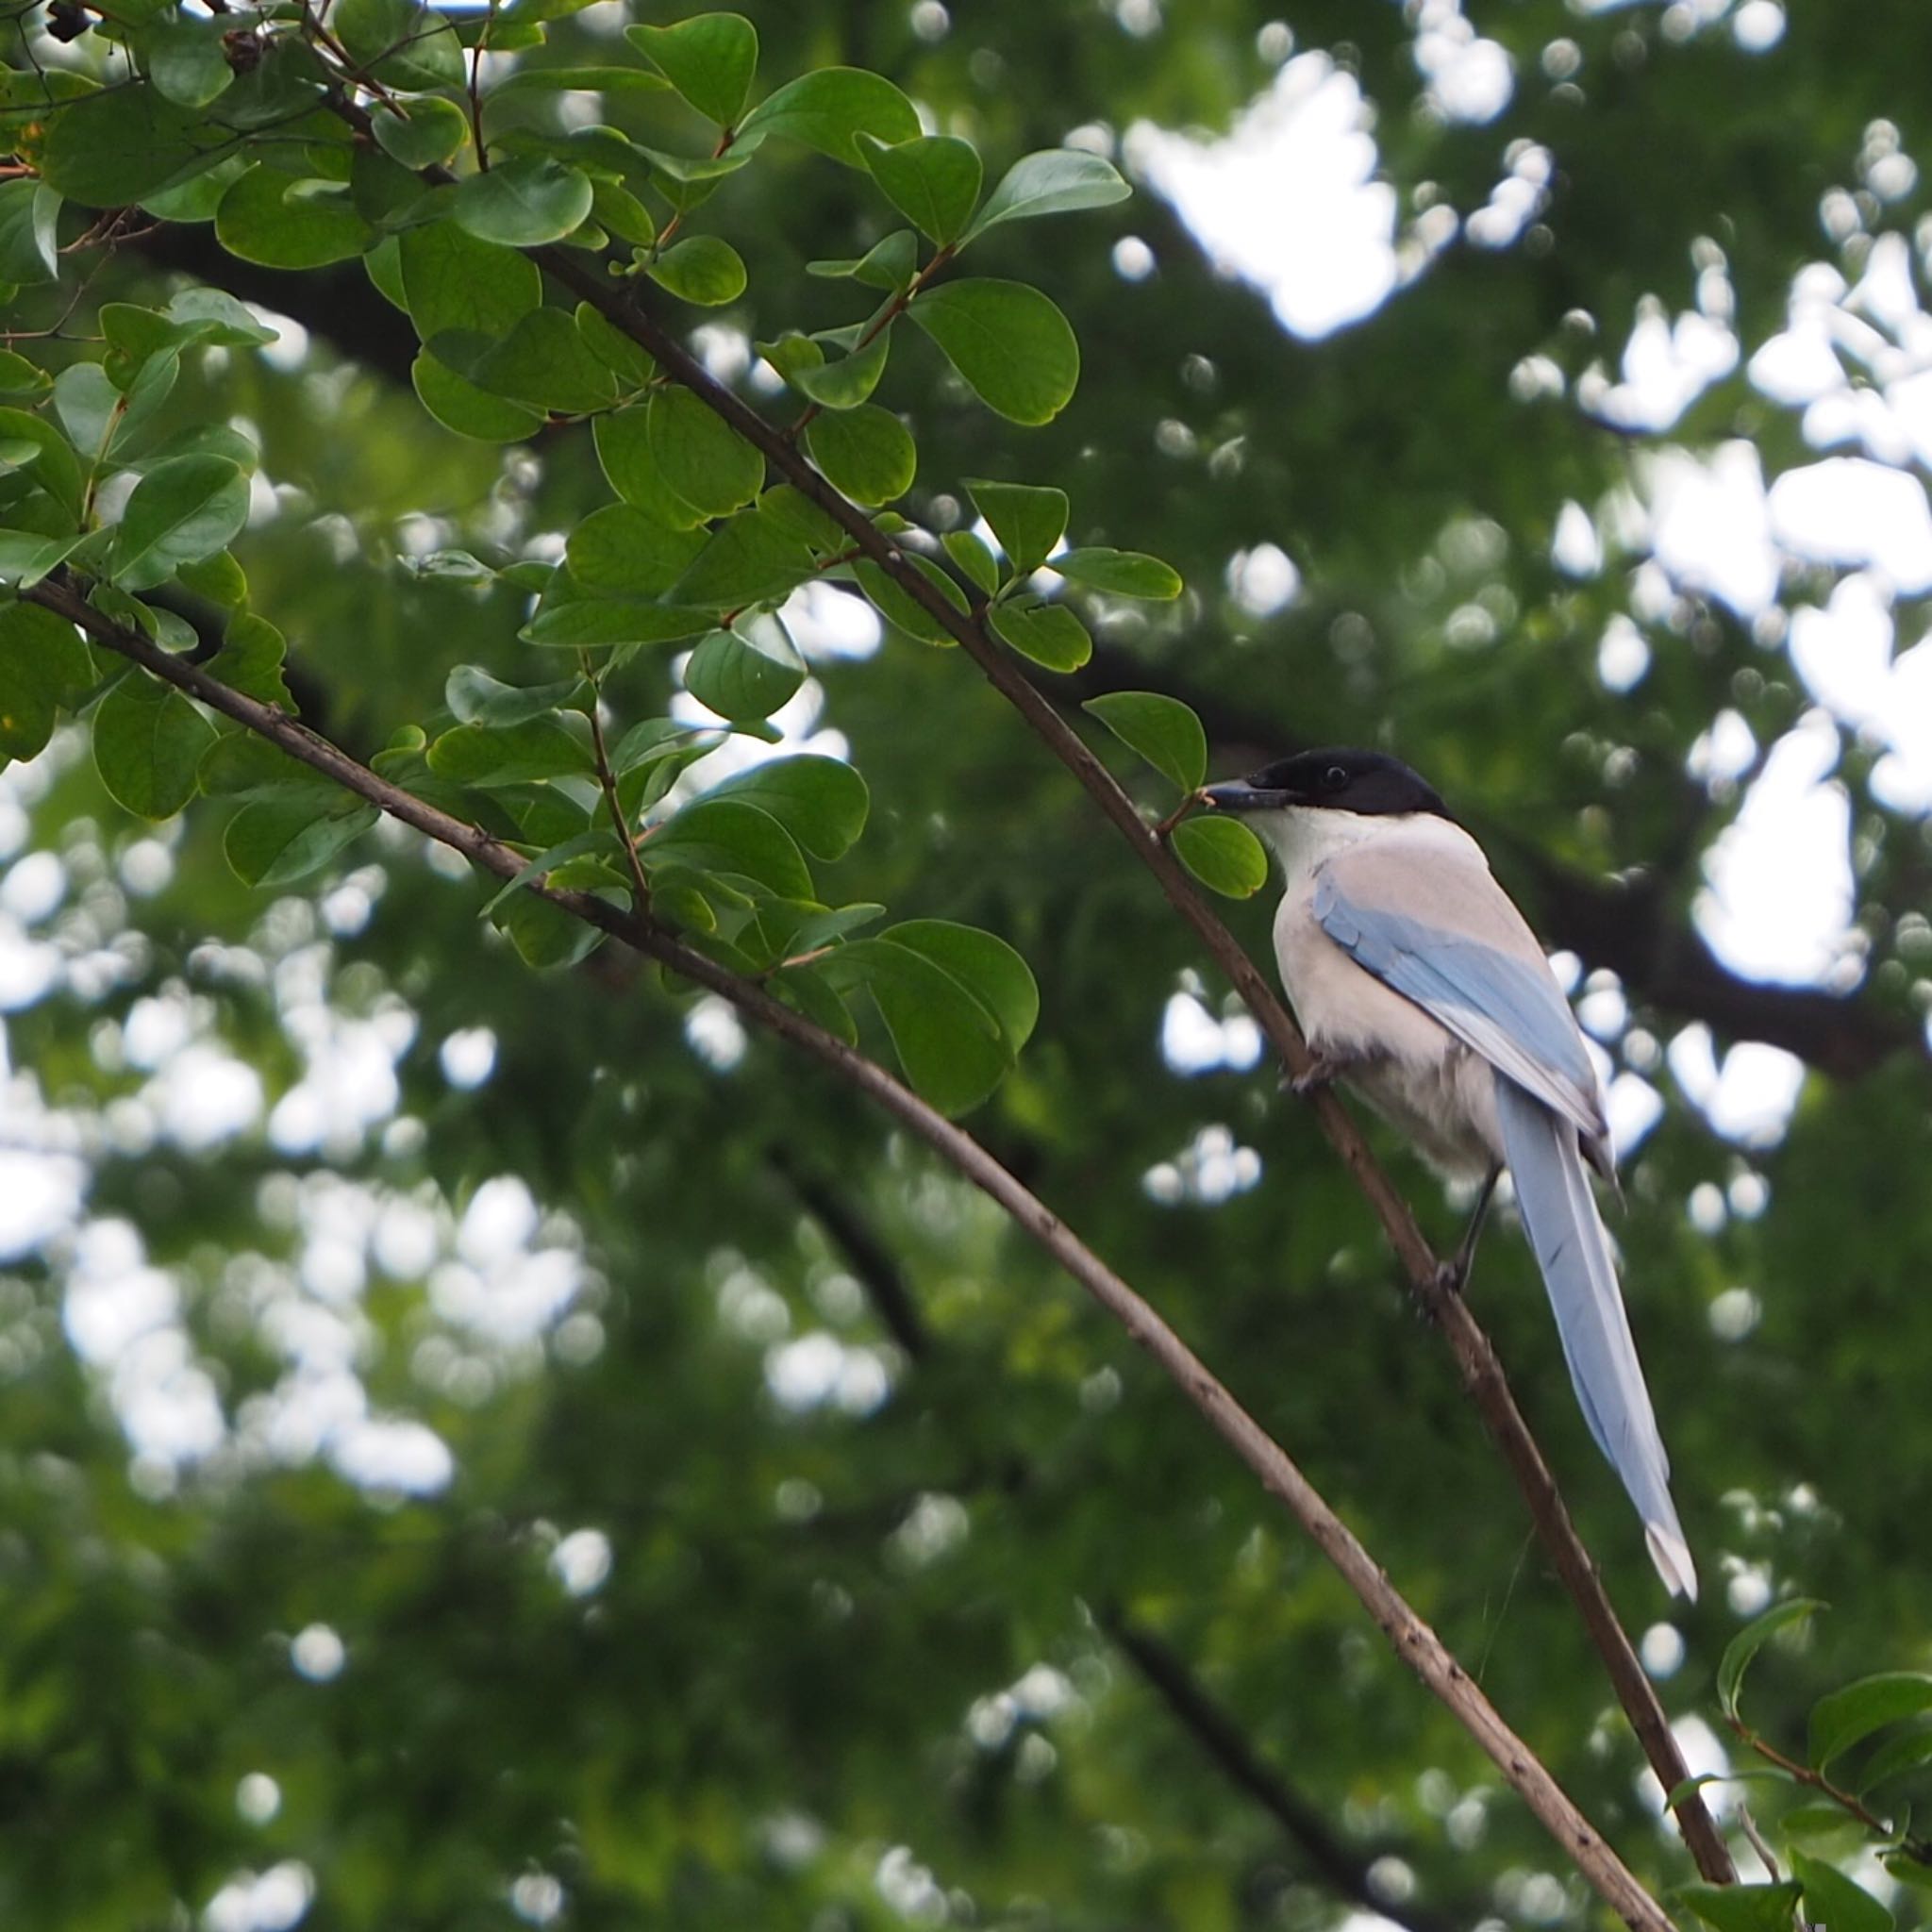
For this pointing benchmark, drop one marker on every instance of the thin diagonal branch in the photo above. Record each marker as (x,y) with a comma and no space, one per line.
(1414,1642)
(1476,1360)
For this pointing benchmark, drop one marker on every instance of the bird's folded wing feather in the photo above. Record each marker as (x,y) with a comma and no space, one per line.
(1433,925)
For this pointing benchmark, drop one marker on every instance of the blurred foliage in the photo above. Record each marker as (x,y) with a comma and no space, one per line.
(484,1447)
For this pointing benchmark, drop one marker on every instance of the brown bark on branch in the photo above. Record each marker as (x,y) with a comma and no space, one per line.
(1414,1642)
(1481,1371)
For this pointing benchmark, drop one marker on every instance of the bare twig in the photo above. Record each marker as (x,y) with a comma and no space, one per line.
(1481,1371)
(1414,1642)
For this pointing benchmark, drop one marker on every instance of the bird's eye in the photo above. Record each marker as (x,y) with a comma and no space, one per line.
(1335,777)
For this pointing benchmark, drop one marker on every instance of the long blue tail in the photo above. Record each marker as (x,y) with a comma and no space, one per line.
(1572,1249)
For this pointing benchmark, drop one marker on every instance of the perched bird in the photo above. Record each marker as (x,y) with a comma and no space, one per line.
(1419,983)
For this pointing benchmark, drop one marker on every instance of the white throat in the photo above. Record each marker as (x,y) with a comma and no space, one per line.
(1301,836)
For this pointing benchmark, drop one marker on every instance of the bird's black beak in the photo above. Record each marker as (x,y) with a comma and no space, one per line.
(1237,795)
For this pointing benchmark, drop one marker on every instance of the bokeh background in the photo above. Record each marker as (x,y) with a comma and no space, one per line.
(479,1449)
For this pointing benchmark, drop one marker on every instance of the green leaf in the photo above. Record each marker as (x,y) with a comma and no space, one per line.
(1058,180)
(422,132)
(546,936)
(1050,634)
(1160,729)
(26,556)
(56,469)
(545,362)
(700,269)
(556,745)
(87,404)
(969,553)
(240,764)
(830,108)
(591,623)
(20,378)
(1903,1755)
(735,838)
(702,459)
(708,58)
(985,965)
(1125,572)
(523,202)
(1743,1908)
(453,281)
(1027,519)
(250,659)
(822,802)
(619,210)
(648,739)
(845,384)
(744,675)
(1751,1640)
(43,665)
(789,505)
(629,361)
(274,841)
(460,404)
(1224,855)
(805,989)
(401,42)
(1847,1716)
(1833,1901)
(595,839)
(187,62)
(181,510)
(474,697)
(29,217)
(623,448)
(148,741)
(1012,348)
(270,218)
(126,143)
(751,558)
(618,552)
(867,453)
(898,607)
(948,1041)
(933,180)
(889,264)
(601,79)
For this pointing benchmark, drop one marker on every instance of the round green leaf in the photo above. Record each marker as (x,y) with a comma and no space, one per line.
(401,42)
(592,623)
(708,58)
(1832,1900)
(423,134)
(750,559)
(969,553)
(126,143)
(1226,857)
(623,448)
(274,841)
(1028,519)
(822,802)
(947,1040)
(187,62)
(148,741)
(545,362)
(556,745)
(30,215)
(900,609)
(454,282)
(1054,181)
(474,697)
(523,202)
(867,453)
(1125,572)
(744,676)
(43,665)
(1743,1908)
(1160,729)
(270,218)
(56,469)
(458,405)
(700,459)
(1050,634)
(830,108)
(730,836)
(183,509)
(985,965)
(1848,1716)
(619,551)
(840,385)
(933,180)
(1014,349)
(701,269)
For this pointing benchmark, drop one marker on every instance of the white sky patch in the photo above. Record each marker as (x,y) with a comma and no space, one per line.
(1712,525)
(1667,365)
(1851,510)
(390,1453)
(1778,903)
(1289,200)
(1470,79)
(1749,1099)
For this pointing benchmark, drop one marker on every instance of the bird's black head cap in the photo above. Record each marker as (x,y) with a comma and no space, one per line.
(1334,778)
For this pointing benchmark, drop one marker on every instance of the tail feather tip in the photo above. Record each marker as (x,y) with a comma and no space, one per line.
(1671,1555)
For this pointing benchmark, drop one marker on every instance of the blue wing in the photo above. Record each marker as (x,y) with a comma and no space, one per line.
(1475,967)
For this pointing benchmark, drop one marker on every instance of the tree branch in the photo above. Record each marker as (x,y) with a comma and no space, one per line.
(1481,1371)
(1414,1642)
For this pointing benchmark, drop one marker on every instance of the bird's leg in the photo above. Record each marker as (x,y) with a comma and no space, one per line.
(1325,1068)
(1453,1275)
